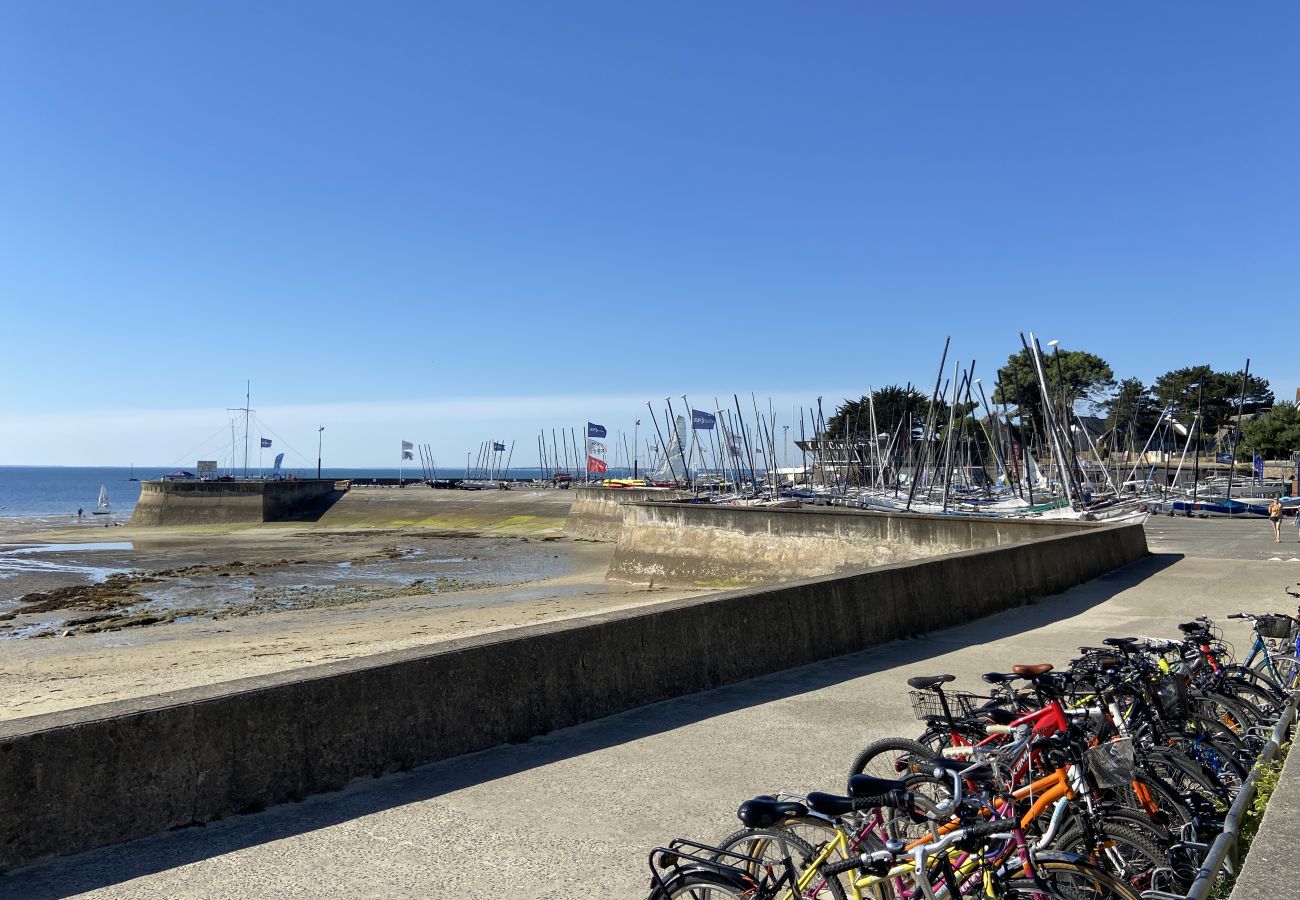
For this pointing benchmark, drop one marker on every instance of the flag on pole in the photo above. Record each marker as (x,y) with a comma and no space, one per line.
(702,421)
(407,445)
(1257,462)
(595,449)
(266,442)
(279,458)
(498,447)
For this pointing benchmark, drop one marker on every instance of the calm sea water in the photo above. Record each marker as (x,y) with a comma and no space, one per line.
(60,490)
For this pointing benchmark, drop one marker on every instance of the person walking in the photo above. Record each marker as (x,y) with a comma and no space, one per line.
(1275,516)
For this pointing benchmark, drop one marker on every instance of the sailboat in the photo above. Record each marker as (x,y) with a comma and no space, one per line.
(103,507)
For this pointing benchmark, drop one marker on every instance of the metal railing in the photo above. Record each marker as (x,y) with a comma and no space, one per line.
(1222,855)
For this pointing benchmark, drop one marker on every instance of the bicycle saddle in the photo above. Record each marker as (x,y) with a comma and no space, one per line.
(999,677)
(871,786)
(1025,670)
(764,812)
(998,716)
(925,682)
(1123,643)
(981,772)
(1191,627)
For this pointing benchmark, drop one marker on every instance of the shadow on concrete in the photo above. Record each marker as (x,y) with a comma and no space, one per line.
(120,863)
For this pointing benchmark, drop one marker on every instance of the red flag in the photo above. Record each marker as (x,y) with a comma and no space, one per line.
(596,464)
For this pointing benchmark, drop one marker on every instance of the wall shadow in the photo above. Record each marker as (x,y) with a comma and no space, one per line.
(116,864)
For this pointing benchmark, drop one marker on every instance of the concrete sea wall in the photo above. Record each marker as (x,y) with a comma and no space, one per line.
(729,546)
(231,502)
(83,778)
(596,513)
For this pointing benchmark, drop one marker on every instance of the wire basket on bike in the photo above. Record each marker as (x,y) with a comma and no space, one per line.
(926,704)
(1110,764)
(1275,627)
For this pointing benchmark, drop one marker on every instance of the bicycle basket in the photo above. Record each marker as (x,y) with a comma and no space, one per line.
(1110,764)
(1276,627)
(1171,695)
(962,703)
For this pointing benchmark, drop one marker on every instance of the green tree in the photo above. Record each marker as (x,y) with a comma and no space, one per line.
(1085,376)
(1219,393)
(893,405)
(1132,411)
(1275,433)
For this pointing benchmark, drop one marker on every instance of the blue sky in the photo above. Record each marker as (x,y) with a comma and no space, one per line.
(454,222)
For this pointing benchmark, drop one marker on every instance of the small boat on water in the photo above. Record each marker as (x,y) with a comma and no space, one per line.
(103,507)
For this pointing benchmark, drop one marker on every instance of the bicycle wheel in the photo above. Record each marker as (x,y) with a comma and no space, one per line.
(699,886)
(771,845)
(1151,797)
(1125,852)
(1071,881)
(893,757)
(899,758)
(1253,698)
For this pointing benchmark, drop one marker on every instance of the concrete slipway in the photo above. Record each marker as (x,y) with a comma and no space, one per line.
(573,813)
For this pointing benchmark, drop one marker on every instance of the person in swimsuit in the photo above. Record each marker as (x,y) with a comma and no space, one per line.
(1275,516)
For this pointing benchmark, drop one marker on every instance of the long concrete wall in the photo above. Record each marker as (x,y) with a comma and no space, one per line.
(596,513)
(729,546)
(74,780)
(230,502)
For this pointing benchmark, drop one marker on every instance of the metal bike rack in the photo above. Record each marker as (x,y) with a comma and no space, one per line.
(1223,852)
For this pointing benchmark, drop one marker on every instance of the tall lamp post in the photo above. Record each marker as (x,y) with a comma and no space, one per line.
(1196,459)
(636,436)
(320,440)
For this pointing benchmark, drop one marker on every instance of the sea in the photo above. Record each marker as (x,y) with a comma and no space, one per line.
(62,490)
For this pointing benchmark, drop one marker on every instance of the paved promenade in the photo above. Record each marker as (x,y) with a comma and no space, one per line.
(573,814)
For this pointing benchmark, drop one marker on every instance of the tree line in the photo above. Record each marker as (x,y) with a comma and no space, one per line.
(1132,411)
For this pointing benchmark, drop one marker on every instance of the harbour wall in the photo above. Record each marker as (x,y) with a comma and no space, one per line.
(680,544)
(232,502)
(83,778)
(596,513)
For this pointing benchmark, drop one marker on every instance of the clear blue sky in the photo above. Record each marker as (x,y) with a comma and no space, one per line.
(459,221)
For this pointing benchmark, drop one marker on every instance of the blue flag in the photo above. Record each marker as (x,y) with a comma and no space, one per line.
(279,458)
(1258,462)
(702,421)
(266,442)
(594,430)
(498,446)
(406,454)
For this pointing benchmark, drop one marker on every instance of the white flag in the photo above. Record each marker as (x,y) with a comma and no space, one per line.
(407,445)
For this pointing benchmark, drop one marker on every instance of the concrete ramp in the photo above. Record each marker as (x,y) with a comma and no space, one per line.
(232,502)
(698,545)
(597,514)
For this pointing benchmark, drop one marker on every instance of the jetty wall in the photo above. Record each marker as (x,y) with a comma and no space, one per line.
(670,544)
(78,779)
(596,513)
(232,502)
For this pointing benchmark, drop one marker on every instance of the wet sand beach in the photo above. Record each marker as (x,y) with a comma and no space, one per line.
(89,614)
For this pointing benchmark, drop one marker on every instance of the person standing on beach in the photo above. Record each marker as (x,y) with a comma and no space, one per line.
(79,512)
(1275,516)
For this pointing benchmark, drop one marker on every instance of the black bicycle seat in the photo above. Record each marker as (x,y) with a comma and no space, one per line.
(999,677)
(1191,627)
(981,772)
(925,682)
(1123,643)
(764,812)
(871,786)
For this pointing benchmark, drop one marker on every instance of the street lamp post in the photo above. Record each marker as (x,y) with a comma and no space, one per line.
(636,436)
(320,440)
